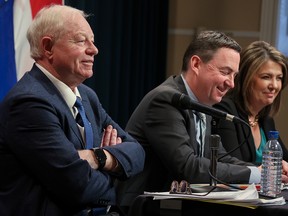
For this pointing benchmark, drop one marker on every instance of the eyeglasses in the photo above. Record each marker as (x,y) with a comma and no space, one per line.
(182,187)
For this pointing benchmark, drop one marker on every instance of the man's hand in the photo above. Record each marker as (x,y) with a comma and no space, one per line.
(110,137)
(89,156)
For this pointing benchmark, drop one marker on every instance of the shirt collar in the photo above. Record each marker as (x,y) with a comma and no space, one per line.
(189,91)
(68,95)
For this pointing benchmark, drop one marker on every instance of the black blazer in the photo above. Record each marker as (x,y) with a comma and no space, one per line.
(168,136)
(41,172)
(234,134)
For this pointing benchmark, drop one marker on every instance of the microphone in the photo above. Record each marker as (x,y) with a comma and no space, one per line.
(214,145)
(184,102)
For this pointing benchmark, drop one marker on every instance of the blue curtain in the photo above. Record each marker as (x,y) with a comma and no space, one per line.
(132,40)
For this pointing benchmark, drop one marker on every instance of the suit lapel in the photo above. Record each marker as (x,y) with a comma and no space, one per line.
(52,92)
(181,87)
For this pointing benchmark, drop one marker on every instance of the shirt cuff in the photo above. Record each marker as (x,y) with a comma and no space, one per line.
(255,176)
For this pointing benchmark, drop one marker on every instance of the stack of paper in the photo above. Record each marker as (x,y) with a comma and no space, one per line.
(248,197)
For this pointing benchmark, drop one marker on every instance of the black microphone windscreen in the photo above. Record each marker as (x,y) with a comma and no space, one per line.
(215,141)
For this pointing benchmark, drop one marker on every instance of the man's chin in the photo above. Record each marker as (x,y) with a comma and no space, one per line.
(88,73)
(217,100)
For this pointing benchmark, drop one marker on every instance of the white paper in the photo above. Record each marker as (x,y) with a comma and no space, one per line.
(249,196)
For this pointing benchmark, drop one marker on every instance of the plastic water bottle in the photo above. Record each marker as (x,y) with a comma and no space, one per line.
(271,166)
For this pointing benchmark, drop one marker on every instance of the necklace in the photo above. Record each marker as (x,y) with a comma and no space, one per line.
(253,123)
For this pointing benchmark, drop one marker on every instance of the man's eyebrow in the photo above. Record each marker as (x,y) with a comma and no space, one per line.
(84,34)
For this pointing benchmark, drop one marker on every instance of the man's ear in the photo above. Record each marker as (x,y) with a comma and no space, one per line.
(195,63)
(47,45)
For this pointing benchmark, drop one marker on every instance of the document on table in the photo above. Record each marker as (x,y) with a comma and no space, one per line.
(247,198)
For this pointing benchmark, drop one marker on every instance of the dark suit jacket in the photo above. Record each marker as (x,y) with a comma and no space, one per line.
(233,135)
(41,172)
(168,136)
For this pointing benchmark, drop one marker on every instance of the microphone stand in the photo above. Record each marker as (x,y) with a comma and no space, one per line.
(214,152)
(215,158)
(214,145)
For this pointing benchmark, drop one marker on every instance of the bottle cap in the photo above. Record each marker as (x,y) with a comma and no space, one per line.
(273,134)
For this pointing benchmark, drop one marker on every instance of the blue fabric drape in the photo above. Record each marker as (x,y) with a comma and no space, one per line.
(131,37)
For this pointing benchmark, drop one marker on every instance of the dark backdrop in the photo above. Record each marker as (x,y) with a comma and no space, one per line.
(131,36)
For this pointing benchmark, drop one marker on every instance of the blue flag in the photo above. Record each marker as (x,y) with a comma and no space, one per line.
(15,60)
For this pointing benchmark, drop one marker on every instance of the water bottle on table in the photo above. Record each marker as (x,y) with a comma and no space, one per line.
(271,166)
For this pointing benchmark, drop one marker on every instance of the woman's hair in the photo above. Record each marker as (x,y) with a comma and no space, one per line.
(50,21)
(205,44)
(252,58)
